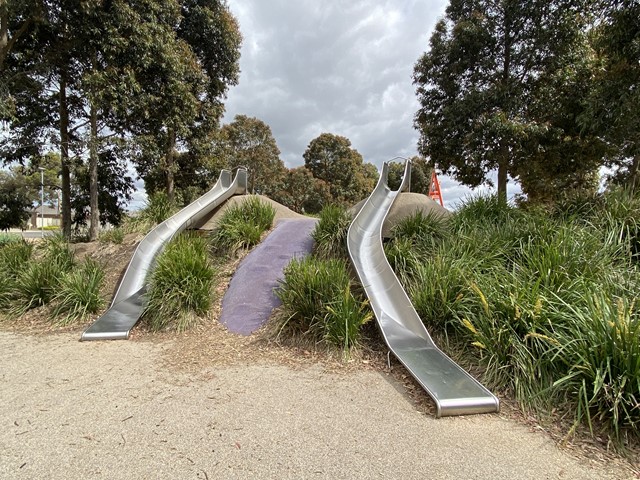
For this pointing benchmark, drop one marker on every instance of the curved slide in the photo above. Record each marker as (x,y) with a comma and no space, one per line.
(454,391)
(128,302)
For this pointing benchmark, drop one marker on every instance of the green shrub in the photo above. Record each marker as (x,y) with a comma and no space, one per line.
(435,289)
(241,226)
(309,285)
(57,251)
(14,256)
(6,238)
(35,286)
(7,287)
(330,233)
(343,320)
(318,302)
(598,350)
(38,279)
(402,256)
(156,210)
(113,235)
(421,228)
(78,294)
(181,284)
(488,209)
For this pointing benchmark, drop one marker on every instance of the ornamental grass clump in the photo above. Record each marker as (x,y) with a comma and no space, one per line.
(422,228)
(36,283)
(180,287)
(156,210)
(318,302)
(113,235)
(78,294)
(330,233)
(598,351)
(14,256)
(546,303)
(241,226)
(343,320)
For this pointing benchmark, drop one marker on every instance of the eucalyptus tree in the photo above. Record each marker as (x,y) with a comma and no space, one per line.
(15,203)
(613,109)
(84,72)
(420,175)
(181,97)
(39,73)
(485,68)
(249,142)
(331,159)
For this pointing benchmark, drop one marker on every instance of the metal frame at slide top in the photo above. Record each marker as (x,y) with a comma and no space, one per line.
(454,391)
(128,303)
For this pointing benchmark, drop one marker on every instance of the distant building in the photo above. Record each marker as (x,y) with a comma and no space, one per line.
(48,217)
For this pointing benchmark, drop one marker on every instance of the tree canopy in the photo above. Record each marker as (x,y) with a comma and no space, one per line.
(15,204)
(85,76)
(420,175)
(331,159)
(613,106)
(489,83)
(248,142)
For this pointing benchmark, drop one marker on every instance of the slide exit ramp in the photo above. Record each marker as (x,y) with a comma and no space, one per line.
(454,391)
(128,302)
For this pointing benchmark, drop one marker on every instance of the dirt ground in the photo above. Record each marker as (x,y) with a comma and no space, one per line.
(210,404)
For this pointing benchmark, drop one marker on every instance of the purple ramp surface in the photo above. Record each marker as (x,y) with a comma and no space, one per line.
(250,297)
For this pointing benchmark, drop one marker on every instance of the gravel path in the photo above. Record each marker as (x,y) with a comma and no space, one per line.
(71,410)
(249,300)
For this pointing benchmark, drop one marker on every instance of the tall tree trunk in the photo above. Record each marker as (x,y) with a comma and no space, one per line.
(94,222)
(503,154)
(170,164)
(634,173)
(64,157)
(503,170)
(4,31)
(6,43)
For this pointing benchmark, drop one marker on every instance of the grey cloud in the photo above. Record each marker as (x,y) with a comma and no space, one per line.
(342,67)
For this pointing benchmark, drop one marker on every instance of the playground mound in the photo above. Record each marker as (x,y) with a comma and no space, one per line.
(282,212)
(407,204)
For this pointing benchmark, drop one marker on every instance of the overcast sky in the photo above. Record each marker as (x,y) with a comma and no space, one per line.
(336,66)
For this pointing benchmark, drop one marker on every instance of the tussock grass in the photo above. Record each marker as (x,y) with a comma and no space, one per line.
(37,280)
(78,294)
(318,302)
(113,235)
(597,344)
(545,301)
(14,256)
(345,315)
(330,234)
(241,226)
(180,287)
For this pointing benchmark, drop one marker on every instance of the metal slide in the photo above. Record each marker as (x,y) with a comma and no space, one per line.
(128,302)
(454,391)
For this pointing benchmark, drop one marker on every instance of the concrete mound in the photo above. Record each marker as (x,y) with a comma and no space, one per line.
(406,204)
(282,212)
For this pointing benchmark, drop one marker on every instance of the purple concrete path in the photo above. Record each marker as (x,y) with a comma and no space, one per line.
(250,299)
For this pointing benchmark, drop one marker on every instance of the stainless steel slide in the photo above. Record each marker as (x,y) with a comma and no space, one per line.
(454,391)
(128,302)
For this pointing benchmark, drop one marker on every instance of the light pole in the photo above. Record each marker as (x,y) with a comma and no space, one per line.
(41,201)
